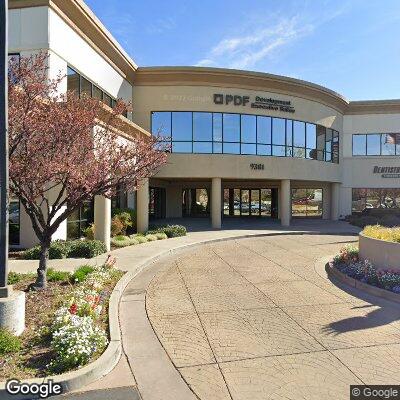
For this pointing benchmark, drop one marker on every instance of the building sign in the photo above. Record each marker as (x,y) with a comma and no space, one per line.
(387,172)
(265,103)
(257,166)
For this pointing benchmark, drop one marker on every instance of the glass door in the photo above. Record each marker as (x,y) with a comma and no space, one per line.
(244,202)
(255,202)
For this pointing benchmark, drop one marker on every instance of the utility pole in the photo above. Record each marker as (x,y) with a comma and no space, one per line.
(4,200)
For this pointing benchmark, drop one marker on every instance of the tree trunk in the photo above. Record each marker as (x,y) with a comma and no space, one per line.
(41,281)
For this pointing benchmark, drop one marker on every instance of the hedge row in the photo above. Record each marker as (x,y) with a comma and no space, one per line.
(69,249)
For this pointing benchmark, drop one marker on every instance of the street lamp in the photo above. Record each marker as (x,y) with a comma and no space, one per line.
(4,290)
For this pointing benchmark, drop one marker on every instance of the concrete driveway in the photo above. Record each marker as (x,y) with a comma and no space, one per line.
(253,319)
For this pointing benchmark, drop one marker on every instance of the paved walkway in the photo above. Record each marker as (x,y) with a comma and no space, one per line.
(133,257)
(254,319)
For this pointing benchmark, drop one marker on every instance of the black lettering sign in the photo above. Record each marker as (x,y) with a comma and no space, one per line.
(257,166)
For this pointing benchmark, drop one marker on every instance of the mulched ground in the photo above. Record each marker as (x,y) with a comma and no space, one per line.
(35,354)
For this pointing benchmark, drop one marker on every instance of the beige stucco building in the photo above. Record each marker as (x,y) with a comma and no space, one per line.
(241,144)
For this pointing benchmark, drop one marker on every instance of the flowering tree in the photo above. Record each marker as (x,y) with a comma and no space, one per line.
(64,150)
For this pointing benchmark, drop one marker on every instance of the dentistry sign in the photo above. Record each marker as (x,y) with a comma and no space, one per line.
(387,172)
(265,103)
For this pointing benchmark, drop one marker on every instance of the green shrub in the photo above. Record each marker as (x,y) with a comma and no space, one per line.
(32,253)
(123,241)
(81,273)
(174,230)
(58,249)
(139,238)
(57,276)
(132,214)
(86,248)
(161,235)
(363,220)
(117,226)
(8,342)
(89,232)
(151,238)
(13,278)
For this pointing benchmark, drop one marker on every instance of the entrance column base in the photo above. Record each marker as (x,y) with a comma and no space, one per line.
(216,194)
(285,200)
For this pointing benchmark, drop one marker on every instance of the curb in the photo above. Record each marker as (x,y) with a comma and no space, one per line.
(102,366)
(364,287)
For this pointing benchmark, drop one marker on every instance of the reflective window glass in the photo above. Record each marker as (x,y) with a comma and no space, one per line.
(278,151)
(217,147)
(264,149)
(311,136)
(161,123)
(373,145)
(299,152)
(278,131)
(73,81)
(299,134)
(217,127)
(248,148)
(231,148)
(248,129)
(359,145)
(86,87)
(202,147)
(181,147)
(328,156)
(231,125)
(321,138)
(397,139)
(264,130)
(388,144)
(107,99)
(181,126)
(289,132)
(328,140)
(97,93)
(202,126)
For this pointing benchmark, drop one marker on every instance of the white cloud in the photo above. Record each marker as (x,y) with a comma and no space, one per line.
(245,51)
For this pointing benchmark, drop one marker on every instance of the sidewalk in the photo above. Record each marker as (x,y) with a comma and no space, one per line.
(132,258)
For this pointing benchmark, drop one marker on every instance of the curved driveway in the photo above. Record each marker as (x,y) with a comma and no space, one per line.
(251,319)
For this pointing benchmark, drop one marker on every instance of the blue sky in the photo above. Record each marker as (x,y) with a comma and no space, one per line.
(350,46)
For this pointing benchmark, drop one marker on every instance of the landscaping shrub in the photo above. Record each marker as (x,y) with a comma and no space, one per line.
(151,238)
(116,226)
(161,235)
(13,278)
(57,276)
(81,273)
(32,253)
(8,342)
(58,249)
(382,233)
(89,232)
(170,230)
(139,238)
(126,221)
(363,220)
(86,248)
(123,241)
(132,214)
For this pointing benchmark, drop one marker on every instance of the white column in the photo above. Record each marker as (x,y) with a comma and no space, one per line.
(285,202)
(216,195)
(142,206)
(335,195)
(102,220)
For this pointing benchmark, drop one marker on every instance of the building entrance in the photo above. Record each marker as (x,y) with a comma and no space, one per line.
(251,202)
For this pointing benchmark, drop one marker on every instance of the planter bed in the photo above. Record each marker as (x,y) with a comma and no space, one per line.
(36,355)
(362,274)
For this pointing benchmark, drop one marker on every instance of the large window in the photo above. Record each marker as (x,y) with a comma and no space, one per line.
(375,198)
(82,86)
(228,133)
(307,203)
(14,222)
(376,144)
(79,220)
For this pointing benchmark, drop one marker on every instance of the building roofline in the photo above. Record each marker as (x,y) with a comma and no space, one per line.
(223,77)
(80,18)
